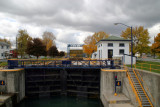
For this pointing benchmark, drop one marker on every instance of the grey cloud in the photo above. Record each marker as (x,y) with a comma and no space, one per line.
(84,15)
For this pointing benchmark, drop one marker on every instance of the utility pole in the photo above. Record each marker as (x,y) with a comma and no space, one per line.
(16,48)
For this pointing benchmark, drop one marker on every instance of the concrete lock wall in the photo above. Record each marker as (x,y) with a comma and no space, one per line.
(14,82)
(152,81)
(107,85)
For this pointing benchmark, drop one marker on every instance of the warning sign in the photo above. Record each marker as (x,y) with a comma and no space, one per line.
(2,82)
(118,83)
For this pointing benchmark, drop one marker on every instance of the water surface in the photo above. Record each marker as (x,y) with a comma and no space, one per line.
(60,101)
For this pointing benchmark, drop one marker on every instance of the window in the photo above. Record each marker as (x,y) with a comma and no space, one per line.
(1,54)
(110,44)
(1,47)
(7,47)
(121,51)
(101,44)
(121,45)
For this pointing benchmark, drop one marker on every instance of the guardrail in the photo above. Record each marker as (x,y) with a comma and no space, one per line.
(142,88)
(144,84)
(133,87)
(146,66)
(61,63)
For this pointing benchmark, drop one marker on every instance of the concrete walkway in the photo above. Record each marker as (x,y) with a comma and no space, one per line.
(120,105)
(118,101)
(5,100)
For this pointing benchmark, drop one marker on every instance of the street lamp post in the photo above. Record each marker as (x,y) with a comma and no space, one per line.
(131,41)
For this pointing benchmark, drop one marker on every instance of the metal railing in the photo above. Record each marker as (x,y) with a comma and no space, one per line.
(142,89)
(144,84)
(146,66)
(135,90)
(133,87)
(61,63)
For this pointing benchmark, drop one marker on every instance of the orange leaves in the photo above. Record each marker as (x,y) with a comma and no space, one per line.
(140,39)
(48,39)
(90,42)
(89,49)
(49,45)
(156,46)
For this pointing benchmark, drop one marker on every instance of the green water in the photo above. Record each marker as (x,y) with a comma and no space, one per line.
(60,101)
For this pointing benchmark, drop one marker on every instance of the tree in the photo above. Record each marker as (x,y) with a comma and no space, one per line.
(48,39)
(61,53)
(140,39)
(90,42)
(6,41)
(29,49)
(98,36)
(155,48)
(53,51)
(36,48)
(89,49)
(23,38)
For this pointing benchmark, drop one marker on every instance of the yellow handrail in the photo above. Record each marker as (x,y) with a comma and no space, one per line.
(145,85)
(149,67)
(134,90)
(142,88)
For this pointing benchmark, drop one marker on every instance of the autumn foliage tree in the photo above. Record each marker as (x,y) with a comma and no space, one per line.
(53,51)
(23,38)
(89,49)
(36,48)
(48,39)
(61,53)
(140,39)
(90,42)
(155,48)
(6,41)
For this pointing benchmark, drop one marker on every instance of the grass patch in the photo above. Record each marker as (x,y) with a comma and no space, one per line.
(148,65)
(3,64)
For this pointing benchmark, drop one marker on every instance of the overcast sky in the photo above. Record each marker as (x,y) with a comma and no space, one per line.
(73,20)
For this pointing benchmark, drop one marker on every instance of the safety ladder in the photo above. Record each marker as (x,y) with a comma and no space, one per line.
(138,89)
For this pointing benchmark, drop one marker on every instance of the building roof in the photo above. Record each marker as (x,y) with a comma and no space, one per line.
(114,38)
(4,43)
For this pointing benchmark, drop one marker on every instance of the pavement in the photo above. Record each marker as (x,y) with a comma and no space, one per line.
(3,99)
(120,105)
(118,101)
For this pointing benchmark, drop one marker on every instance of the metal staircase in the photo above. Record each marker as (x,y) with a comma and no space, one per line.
(138,89)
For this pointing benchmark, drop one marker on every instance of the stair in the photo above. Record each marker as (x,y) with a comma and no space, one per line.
(138,89)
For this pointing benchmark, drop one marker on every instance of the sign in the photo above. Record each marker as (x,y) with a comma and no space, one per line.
(118,83)
(2,82)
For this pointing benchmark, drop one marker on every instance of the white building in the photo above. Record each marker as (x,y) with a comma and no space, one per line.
(4,50)
(112,47)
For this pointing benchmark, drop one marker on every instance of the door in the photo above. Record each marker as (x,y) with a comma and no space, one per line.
(110,53)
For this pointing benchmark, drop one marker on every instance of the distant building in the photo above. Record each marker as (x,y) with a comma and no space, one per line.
(113,47)
(13,53)
(4,50)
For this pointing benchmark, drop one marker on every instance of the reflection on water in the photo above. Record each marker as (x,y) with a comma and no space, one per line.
(60,101)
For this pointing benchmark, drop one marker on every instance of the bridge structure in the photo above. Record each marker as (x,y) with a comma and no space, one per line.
(61,64)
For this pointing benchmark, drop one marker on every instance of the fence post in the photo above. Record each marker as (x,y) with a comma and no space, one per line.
(150,67)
